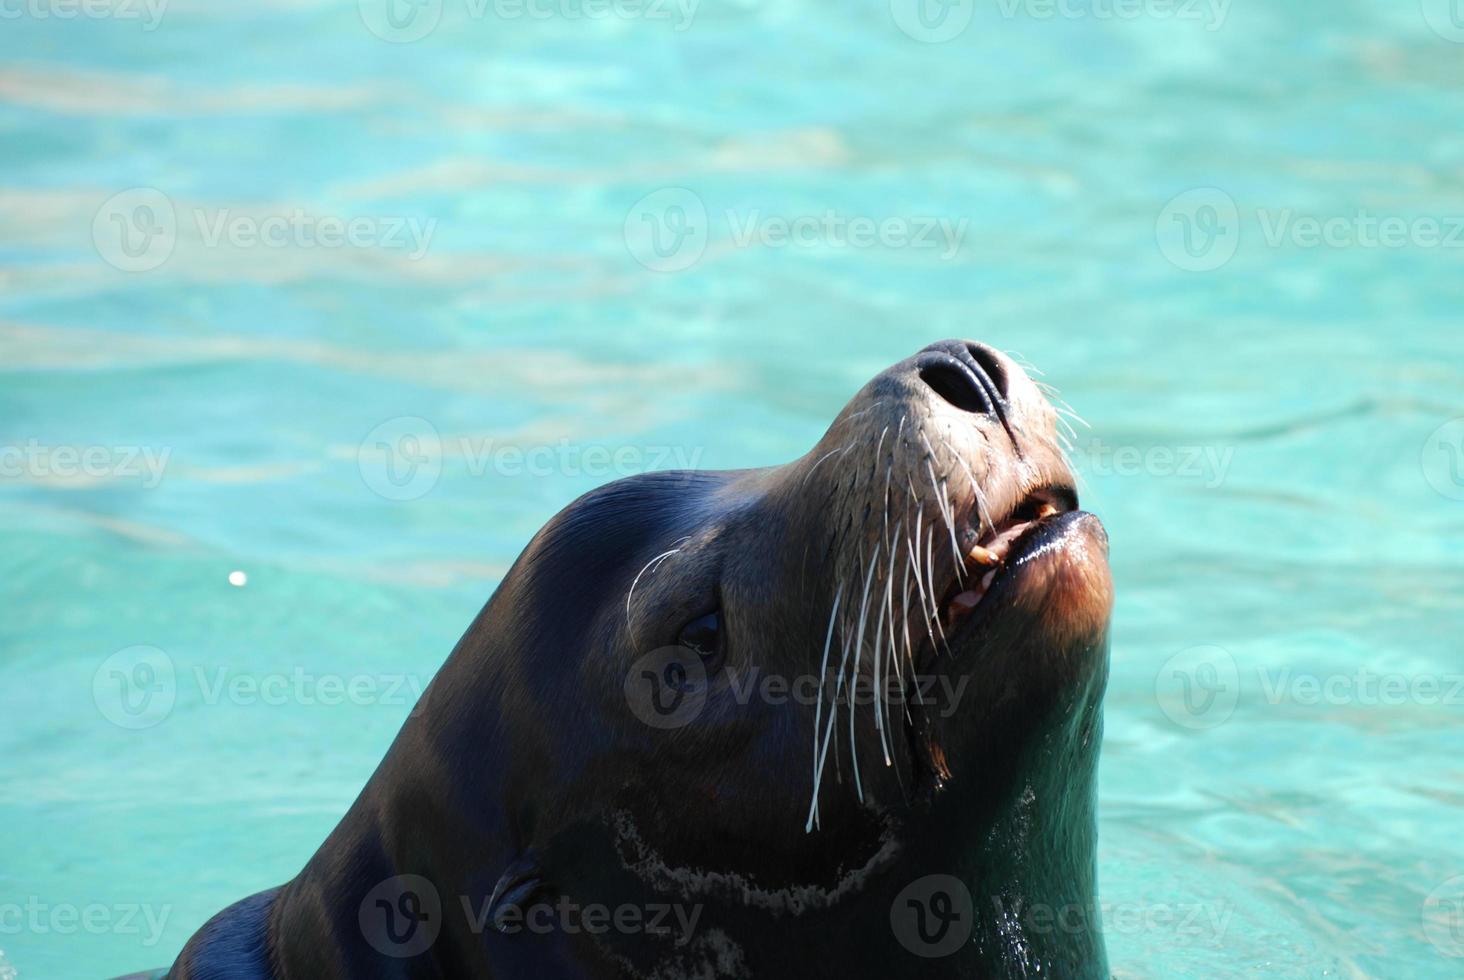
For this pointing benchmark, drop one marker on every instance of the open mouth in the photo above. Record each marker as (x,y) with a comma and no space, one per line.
(988,563)
(999,549)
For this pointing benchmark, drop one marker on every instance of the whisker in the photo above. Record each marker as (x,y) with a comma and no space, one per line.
(930,574)
(863,411)
(947,512)
(920,583)
(1026,365)
(887,615)
(647,567)
(804,481)
(951,526)
(858,655)
(983,521)
(1063,408)
(828,736)
(823,673)
(905,617)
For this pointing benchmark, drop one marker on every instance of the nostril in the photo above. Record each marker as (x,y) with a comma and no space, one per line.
(989,363)
(957,385)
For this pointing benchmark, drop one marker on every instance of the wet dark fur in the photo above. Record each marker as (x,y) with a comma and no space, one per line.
(525,755)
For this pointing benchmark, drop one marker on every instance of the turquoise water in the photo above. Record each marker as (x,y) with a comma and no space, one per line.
(550,254)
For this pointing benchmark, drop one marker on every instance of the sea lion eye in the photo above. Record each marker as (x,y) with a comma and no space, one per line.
(703,634)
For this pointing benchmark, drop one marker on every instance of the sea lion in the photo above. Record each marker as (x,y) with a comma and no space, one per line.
(837,718)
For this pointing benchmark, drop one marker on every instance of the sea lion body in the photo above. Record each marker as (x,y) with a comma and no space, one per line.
(643,757)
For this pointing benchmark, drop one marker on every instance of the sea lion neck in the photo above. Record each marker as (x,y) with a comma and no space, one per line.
(430,831)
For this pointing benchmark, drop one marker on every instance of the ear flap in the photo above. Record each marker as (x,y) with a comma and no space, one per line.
(519,882)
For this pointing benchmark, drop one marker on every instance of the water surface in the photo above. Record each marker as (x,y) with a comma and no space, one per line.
(1263,409)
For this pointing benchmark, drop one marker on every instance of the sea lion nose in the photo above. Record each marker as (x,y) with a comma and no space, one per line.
(966,374)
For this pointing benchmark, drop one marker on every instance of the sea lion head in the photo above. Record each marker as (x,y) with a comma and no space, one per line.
(781,695)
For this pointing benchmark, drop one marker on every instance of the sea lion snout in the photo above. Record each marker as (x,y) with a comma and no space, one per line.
(969,375)
(959,386)
(937,509)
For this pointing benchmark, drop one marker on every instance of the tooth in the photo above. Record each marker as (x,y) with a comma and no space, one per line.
(1046,510)
(983,556)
